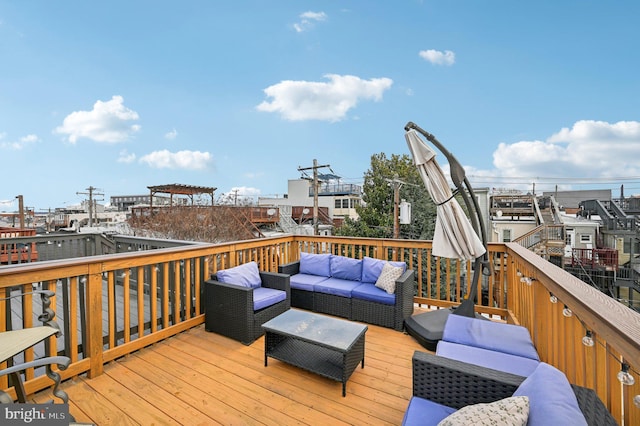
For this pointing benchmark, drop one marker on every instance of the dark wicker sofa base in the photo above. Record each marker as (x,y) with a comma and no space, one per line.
(391,316)
(457,384)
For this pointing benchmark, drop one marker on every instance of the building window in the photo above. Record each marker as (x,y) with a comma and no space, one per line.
(345,203)
(585,238)
(338,204)
(567,237)
(506,235)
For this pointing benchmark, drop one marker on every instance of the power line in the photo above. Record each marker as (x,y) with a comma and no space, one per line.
(574,179)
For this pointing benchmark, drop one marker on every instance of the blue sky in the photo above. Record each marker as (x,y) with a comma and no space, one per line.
(122,95)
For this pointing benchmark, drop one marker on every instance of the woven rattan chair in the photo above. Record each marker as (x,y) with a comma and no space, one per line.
(230,308)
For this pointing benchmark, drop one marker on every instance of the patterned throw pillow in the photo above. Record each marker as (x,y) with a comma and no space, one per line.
(509,411)
(388,277)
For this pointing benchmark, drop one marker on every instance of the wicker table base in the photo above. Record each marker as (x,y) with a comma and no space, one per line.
(327,346)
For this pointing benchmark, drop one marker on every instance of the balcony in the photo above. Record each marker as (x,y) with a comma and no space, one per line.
(333,189)
(132,326)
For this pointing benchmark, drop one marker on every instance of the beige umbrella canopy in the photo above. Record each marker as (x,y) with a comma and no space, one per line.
(454,236)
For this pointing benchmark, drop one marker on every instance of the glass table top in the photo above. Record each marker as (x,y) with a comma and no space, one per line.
(333,332)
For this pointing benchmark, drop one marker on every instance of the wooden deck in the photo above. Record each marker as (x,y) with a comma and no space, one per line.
(201,378)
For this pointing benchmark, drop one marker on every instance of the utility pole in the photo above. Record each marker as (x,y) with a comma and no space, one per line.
(91,193)
(21,210)
(396,183)
(235,197)
(315,168)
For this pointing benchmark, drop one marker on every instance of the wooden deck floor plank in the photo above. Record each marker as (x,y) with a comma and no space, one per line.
(95,404)
(201,361)
(182,387)
(138,409)
(229,389)
(159,397)
(75,410)
(293,382)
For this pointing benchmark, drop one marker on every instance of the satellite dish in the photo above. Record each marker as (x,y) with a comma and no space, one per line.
(305,211)
(271,212)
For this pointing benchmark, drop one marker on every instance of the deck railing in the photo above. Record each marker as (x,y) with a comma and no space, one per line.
(113,305)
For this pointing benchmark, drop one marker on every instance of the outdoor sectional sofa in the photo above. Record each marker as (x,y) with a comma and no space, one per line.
(441,386)
(346,287)
(479,362)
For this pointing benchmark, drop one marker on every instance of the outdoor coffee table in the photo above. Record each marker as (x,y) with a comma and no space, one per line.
(324,345)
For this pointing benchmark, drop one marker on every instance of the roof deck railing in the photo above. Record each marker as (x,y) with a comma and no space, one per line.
(112,305)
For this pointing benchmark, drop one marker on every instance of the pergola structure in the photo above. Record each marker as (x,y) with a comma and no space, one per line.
(179,189)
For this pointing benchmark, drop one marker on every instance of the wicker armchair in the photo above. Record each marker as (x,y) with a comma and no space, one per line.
(229,308)
(457,384)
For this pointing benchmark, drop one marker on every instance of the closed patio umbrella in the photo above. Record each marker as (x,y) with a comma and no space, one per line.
(454,236)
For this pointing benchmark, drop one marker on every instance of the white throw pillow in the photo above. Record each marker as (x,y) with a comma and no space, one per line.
(388,277)
(505,412)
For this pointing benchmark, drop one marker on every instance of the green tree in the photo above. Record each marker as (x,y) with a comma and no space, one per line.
(376,215)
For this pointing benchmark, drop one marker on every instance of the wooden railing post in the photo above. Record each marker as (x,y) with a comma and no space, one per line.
(94,348)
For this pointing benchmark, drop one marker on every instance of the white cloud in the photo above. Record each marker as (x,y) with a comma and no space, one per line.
(589,151)
(246,191)
(108,121)
(189,160)
(437,57)
(171,135)
(125,157)
(327,101)
(238,195)
(19,144)
(308,20)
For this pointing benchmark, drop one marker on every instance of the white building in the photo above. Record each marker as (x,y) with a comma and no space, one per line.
(336,201)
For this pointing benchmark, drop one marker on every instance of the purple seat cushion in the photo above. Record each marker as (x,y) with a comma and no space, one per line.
(371,268)
(336,286)
(346,268)
(315,264)
(370,292)
(245,275)
(551,398)
(495,336)
(305,281)
(486,358)
(264,297)
(422,412)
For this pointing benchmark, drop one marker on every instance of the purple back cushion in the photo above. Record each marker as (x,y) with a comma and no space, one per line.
(245,275)
(315,264)
(371,268)
(346,268)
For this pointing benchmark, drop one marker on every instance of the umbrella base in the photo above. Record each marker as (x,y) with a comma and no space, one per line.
(427,327)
